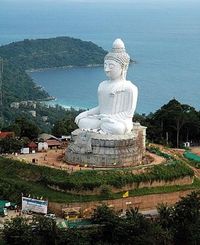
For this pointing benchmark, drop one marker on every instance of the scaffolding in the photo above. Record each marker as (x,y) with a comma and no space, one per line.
(1,92)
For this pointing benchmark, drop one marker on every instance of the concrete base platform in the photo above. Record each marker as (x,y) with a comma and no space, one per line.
(105,150)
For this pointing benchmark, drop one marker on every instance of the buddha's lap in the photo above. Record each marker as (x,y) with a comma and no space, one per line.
(89,123)
(114,127)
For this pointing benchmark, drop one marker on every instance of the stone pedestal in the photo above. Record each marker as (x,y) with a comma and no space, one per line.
(104,150)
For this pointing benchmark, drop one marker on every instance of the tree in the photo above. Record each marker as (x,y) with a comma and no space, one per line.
(140,118)
(17,231)
(136,229)
(41,53)
(103,215)
(172,118)
(191,128)
(182,222)
(165,216)
(10,145)
(186,220)
(108,220)
(74,236)
(45,230)
(64,127)
(27,128)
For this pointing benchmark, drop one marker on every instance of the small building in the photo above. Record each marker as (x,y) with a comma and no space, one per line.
(5,204)
(51,140)
(25,150)
(42,146)
(53,143)
(23,103)
(14,105)
(44,118)
(6,135)
(71,213)
(3,211)
(66,137)
(45,137)
(32,104)
(32,146)
(186,144)
(33,113)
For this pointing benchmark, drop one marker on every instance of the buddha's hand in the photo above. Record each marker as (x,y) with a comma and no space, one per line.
(108,119)
(102,116)
(80,116)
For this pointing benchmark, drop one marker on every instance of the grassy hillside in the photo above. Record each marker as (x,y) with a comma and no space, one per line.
(17,177)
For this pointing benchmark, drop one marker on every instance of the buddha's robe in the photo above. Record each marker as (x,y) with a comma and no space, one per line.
(117,103)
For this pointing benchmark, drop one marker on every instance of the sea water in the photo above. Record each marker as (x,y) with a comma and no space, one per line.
(163,36)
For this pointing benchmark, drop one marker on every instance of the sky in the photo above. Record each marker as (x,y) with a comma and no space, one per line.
(99,1)
(150,3)
(44,3)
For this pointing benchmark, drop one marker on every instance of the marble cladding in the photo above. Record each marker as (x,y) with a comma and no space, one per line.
(93,149)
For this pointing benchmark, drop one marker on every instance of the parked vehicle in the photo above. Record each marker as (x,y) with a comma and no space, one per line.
(50,215)
(3,211)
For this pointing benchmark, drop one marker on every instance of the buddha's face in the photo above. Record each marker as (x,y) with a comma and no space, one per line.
(112,69)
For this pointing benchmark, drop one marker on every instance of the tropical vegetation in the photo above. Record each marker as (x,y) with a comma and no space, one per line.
(173,124)
(25,55)
(17,177)
(172,226)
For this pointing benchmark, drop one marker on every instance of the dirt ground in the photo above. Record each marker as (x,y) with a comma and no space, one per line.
(156,159)
(54,158)
(195,150)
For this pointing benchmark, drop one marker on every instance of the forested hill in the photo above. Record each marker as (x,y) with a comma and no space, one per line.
(18,86)
(39,54)
(52,52)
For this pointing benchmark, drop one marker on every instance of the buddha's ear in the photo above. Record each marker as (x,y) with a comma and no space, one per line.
(124,71)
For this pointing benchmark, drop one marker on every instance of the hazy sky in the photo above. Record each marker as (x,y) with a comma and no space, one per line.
(29,4)
(151,3)
(100,1)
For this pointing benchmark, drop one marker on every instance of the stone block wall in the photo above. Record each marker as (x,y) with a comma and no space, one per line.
(147,202)
(101,150)
(187,180)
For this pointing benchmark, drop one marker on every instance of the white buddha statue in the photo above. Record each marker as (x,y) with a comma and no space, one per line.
(117,97)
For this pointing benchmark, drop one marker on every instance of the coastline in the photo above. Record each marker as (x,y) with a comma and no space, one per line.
(53,103)
(63,67)
(70,66)
(51,100)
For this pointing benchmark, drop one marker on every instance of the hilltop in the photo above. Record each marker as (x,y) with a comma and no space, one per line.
(52,52)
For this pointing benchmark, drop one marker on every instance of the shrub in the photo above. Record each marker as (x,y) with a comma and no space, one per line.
(89,180)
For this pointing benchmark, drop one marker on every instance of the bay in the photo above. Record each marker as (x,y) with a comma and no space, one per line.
(162,36)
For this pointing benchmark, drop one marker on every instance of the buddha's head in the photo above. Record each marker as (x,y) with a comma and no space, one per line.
(116,62)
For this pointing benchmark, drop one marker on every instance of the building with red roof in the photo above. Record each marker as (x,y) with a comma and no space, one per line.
(6,134)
